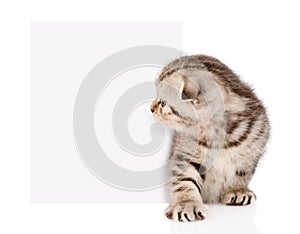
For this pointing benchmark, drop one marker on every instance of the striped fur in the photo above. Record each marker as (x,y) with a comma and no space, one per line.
(221,129)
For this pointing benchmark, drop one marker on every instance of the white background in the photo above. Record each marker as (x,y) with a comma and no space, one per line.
(258,39)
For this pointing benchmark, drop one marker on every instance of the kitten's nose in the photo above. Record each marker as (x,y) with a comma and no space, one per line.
(153,106)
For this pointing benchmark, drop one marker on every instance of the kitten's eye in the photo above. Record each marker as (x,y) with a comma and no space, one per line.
(183,96)
(163,103)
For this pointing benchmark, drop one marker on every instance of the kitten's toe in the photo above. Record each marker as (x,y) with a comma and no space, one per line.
(187,211)
(200,211)
(239,197)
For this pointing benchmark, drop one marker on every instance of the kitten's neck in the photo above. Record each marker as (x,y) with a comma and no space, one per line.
(211,135)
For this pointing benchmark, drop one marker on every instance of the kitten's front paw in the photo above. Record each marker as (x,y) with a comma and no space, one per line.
(186,211)
(239,197)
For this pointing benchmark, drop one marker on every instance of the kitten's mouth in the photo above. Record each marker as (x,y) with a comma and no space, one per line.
(173,120)
(174,111)
(169,116)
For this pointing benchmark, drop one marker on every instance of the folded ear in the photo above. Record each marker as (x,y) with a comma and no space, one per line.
(203,86)
(190,90)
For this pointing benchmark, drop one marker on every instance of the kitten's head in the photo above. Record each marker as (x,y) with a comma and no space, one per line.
(177,102)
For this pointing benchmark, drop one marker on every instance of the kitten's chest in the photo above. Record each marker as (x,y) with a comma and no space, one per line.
(219,176)
(223,167)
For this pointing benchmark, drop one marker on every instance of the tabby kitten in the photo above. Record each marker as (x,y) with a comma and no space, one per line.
(221,129)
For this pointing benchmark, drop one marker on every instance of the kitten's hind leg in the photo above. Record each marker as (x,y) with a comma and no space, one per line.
(238,197)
